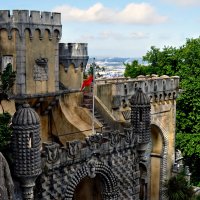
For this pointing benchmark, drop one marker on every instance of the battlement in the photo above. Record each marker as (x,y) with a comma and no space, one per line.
(157,88)
(30,17)
(73,53)
(81,150)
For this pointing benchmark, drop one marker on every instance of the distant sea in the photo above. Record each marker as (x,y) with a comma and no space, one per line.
(114,66)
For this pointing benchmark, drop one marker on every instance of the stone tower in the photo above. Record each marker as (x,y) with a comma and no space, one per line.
(140,119)
(26,148)
(29,41)
(73,58)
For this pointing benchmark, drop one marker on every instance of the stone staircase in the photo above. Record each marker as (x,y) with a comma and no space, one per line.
(87,100)
(87,103)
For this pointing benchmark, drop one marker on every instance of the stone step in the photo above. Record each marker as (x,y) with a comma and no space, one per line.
(87,101)
(87,95)
(89,106)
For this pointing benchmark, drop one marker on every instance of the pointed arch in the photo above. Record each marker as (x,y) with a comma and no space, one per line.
(29,32)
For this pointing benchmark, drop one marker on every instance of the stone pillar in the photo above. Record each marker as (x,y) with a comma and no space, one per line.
(57,67)
(20,65)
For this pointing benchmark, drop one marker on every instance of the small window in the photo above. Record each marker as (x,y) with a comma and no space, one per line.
(5,60)
(31,141)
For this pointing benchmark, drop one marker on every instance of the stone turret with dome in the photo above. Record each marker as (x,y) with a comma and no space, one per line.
(26,148)
(140,116)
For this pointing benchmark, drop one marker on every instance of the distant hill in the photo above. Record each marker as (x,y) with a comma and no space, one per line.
(114,60)
(114,66)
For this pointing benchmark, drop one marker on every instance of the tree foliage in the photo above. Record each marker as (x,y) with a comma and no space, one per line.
(5,130)
(98,70)
(7,79)
(184,62)
(178,188)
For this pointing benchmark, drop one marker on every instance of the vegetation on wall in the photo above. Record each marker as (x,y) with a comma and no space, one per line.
(7,79)
(178,188)
(5,130)
(184,62)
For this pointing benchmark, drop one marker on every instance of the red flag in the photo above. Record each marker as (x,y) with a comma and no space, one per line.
(87,82)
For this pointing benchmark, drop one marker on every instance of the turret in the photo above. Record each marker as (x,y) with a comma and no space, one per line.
(73,58)
(26,148)
(140,119)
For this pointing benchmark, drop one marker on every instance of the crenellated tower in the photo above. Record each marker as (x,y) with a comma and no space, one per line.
(73,58)
(29,41)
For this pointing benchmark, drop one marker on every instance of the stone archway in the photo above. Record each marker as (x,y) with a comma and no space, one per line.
(157,152)
(89,189)
(94,172)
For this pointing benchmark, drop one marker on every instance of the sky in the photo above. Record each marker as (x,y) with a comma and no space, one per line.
(120,28)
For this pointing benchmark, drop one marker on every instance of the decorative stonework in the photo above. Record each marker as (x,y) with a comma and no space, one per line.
(40,71)
(113,157)
(140,116)
(26,148)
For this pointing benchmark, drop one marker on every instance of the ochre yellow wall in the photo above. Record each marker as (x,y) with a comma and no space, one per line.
(155,178)
(70,121)
(162,133)
(163,114)
(8,106)
(104,93)
(72,79)
(37,48)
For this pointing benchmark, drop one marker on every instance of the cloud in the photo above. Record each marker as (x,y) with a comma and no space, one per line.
(139,35)
(133,13)
(184,2)
(110,35)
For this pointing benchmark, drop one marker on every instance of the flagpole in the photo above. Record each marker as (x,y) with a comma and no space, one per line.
(93,130)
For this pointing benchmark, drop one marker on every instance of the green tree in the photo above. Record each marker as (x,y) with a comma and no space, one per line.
(7,79)
(5,130)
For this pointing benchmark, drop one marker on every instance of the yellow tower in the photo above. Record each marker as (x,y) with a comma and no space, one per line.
(29,41)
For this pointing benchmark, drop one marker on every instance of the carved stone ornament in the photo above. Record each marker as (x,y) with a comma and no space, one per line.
(40,71)
(91,168)
(73,148)
(115,138)
(94,141)
(130,138)
(52,152)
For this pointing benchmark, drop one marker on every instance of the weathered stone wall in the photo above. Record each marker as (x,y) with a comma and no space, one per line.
(112,157)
